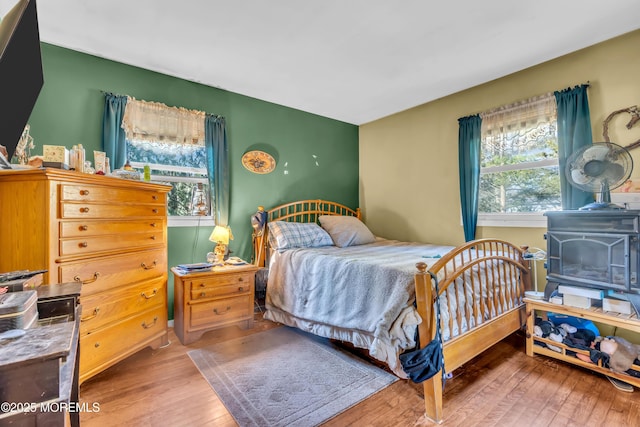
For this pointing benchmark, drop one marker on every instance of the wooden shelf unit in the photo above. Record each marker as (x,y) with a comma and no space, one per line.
(596,314)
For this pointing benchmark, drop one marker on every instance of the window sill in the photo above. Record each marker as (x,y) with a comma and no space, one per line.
(533,220)
(190,221)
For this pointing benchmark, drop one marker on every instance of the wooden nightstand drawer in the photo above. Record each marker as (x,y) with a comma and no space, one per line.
(220,312)
(220,280)
(221,291)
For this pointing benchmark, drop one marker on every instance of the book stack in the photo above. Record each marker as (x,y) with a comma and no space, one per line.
(574,296)
(194,268)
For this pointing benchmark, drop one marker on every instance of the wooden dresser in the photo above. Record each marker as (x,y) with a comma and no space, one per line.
(106,232)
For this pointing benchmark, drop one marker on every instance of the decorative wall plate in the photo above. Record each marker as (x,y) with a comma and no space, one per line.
(258,161)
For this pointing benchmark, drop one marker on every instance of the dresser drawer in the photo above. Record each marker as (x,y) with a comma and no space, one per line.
(117,341)
(91,245)
(220,312)
(100,194)
(102,308)
(106,273)
(114,210)
(98,228)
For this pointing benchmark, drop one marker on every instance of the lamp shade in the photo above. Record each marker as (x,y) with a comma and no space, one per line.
(221,234)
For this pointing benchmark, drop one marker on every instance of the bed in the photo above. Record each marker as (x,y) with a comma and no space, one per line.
(329,275)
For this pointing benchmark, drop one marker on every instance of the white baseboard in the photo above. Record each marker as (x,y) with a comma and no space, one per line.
(170,323)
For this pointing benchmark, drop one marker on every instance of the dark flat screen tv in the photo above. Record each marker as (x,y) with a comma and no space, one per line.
(21,76)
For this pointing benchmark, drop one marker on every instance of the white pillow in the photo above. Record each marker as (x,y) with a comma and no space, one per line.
(346,230)
(287,235)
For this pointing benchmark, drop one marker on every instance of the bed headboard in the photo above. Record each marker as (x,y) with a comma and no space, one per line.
(299,211)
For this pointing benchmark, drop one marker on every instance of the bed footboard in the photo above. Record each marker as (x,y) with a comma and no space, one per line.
(501,270)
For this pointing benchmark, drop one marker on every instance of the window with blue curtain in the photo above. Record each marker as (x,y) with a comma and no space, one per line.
(169,141)
(522,151)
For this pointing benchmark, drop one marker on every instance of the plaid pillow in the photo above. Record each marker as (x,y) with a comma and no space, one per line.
(287,235)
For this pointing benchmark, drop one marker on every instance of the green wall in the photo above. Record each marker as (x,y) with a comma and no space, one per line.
(317,157)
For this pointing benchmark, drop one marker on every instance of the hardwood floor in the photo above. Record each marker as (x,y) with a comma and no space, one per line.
(501,387)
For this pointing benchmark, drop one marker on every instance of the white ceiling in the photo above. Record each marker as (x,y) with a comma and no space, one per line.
(350,60)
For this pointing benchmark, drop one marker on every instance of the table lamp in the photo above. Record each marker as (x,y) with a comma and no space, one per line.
(220,236)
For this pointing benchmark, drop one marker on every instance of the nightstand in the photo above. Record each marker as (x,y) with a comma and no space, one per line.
(213,299)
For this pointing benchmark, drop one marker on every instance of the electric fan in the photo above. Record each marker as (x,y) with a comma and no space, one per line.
(599,168)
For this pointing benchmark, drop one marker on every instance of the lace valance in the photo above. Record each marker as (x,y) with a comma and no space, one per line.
(519,115)
(157,122)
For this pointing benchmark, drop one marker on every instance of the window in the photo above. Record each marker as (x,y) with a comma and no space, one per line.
(519,172)
(171,142)
(189,196)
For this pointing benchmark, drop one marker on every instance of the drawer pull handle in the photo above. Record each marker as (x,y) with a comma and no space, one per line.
(84,192)
(154,197)
(240,279)
(149,267)
(215,310)
(240,289)
(144,324)
(153,237)
(203,294)
(83,244)
(155,292)
(95,313)
(84,228)
(153,224)
(202,285)
(154,210)
(84,282)
(84,209)
(96,345)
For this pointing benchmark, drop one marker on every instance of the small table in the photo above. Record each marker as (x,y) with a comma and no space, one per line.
(212,299)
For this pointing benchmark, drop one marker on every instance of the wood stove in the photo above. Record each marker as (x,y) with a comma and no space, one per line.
(596,249)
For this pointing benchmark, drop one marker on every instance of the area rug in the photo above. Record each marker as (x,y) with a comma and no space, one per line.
(285,377)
